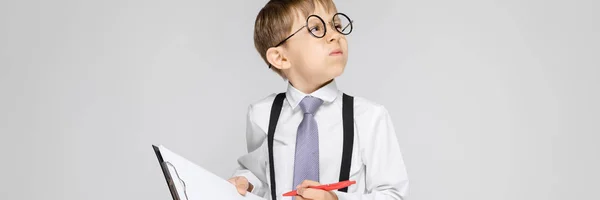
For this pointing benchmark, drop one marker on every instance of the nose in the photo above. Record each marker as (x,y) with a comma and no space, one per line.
(333,35)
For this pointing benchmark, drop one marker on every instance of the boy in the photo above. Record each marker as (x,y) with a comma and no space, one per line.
(313,133)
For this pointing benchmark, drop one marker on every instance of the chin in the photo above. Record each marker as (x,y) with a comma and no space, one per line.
(336,70)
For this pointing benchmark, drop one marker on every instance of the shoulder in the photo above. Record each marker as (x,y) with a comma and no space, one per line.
(372,121)
(259,111)
(365,109)
(264,103)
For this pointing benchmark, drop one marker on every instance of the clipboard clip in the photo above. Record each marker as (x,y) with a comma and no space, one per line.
(171,184)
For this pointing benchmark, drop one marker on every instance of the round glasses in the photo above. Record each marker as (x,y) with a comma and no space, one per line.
(317,27)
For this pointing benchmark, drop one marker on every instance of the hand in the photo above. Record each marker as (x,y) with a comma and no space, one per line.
(305,193)
(241,184)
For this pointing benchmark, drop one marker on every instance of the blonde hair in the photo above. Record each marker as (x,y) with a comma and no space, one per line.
(274,23)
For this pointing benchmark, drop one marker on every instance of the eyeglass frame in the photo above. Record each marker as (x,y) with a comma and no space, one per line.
(324,28)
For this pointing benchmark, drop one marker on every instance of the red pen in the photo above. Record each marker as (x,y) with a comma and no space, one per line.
(328,187)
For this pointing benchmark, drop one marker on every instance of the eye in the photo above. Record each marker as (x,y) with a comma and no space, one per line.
(315,29)
(337,24)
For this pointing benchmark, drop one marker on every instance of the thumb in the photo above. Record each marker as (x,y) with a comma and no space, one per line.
(241,183)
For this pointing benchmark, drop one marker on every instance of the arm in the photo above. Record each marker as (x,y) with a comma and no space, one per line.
(386,176)
(252,164)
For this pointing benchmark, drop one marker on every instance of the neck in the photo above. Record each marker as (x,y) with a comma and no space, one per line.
(308,88)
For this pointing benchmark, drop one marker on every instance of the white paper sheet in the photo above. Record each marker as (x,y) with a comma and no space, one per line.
(200,184)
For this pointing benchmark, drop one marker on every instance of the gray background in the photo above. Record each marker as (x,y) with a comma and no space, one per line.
(490,99)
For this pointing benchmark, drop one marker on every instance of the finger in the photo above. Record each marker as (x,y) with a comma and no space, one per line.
(242,178)
(241,188)
(241,191)
(310,193)
(242,185)
(300,190)
(241,182)
(307,183)
(300,198)
(232,180)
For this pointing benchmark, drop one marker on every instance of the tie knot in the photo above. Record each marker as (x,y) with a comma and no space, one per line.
(310,104)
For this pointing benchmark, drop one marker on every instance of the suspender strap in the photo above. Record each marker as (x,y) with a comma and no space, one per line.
(275,111)
(348,120)
(348,123)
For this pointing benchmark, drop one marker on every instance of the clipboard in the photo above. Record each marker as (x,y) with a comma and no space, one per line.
(188,181)
(165,170)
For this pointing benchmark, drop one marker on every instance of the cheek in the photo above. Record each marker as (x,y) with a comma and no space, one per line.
(315,55)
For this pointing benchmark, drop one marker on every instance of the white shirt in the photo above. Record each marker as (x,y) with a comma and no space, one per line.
(377,164)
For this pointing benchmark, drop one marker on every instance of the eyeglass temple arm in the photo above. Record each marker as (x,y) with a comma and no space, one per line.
(282,41)
(351,21)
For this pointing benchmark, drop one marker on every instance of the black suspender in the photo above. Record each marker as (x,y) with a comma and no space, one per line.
(275,111)
(348,122)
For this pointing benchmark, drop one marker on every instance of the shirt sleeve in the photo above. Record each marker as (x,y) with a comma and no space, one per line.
(386,177)
(253,164)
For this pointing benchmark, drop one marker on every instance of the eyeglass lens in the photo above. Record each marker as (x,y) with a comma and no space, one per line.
(316,25)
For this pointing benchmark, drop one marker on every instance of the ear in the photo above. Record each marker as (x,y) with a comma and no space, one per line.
(276,56)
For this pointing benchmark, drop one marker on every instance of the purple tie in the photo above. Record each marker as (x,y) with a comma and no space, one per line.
(306,162)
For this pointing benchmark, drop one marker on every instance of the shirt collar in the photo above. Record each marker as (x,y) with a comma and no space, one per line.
(327,93)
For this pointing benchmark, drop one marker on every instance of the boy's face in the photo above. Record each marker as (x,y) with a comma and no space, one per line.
(317,60)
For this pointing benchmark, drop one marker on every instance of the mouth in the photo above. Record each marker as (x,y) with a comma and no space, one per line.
(336,52)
